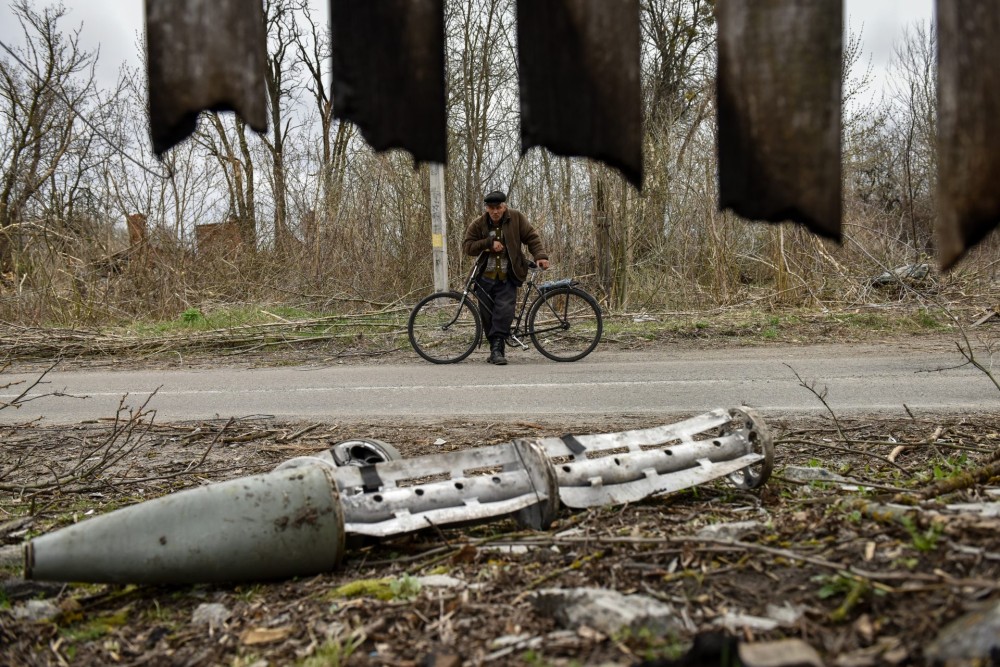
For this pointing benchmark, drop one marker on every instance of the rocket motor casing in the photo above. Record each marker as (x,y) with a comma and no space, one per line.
(281,524)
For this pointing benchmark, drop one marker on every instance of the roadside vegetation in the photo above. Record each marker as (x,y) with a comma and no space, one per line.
(96,233)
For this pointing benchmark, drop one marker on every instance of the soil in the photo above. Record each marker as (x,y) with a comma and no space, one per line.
(859,585)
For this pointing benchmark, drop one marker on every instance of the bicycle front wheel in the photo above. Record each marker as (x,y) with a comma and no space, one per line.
(565,324)
(444,328)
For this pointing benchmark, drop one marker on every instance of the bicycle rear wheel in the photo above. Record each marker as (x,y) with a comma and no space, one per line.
(443,328)
(565,324)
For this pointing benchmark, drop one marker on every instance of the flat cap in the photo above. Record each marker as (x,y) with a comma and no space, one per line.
(495,197)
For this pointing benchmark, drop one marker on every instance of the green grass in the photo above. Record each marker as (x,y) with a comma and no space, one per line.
(772,326)
(902,322)
(762,324)
(206,328)
(95,628)
(333,653)
(923,540)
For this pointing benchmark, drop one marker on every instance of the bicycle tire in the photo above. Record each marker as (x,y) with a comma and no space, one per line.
(565,324)
(443,329)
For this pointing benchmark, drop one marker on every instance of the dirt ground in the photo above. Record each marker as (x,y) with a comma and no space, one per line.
(820,559)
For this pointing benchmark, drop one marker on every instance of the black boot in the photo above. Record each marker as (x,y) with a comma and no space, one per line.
(496,351)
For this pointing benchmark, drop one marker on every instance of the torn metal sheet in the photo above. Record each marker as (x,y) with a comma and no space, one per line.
(580,84)
(389,73)
(283,524)
(452,488)
(615,468)
(779,99)
(968,132)
(203,55)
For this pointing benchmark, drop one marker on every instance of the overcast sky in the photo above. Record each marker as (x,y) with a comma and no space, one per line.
(116,25)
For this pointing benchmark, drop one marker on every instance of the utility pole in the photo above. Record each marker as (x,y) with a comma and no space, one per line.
(439,227)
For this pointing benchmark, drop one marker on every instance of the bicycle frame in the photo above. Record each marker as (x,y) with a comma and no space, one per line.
(530,288)
(446,327)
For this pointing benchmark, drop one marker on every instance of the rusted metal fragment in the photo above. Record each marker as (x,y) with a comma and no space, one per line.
(968,131)
(203,55)
(779,98)
(579,69)
(388,73)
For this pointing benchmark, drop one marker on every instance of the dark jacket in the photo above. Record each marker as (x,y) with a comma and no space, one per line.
(516,231)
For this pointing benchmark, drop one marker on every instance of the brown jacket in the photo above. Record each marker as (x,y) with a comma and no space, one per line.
(516,231)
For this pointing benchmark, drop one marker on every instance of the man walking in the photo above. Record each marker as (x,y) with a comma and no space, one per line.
(496,237)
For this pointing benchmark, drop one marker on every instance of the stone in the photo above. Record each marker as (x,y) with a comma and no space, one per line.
(971,639)
(36,610)
(782,653)
(211,614)
(729,531)
(607,611)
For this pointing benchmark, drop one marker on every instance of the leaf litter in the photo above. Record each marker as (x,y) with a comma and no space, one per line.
(872,534)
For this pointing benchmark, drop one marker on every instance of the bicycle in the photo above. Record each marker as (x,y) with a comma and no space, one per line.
(563,321)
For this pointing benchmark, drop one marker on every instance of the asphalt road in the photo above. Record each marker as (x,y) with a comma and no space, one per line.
(856,379)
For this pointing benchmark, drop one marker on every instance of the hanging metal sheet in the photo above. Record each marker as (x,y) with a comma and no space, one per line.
(388,73)
(968,128)
(203,55)
(580,89)
(779,97)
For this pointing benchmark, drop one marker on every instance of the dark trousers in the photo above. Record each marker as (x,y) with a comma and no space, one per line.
(504,296)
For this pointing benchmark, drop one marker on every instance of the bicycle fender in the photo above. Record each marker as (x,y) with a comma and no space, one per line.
(552,284)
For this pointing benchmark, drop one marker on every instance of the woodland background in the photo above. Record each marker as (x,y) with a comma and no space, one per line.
(95,230)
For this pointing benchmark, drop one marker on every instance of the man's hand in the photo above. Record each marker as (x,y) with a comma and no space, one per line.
(543,264)
(497,246)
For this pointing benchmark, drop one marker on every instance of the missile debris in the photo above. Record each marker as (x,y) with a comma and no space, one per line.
(402,496)
(294,520)
(617,468)
(283,524)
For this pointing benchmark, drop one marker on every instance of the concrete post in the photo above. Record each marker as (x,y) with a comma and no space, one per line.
(439,227)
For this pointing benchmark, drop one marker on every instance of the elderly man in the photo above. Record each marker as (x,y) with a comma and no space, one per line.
(496,238)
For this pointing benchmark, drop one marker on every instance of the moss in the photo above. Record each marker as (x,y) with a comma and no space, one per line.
(380,589)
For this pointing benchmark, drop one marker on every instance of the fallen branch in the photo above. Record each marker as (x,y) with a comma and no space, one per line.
(821,395)
(959,482)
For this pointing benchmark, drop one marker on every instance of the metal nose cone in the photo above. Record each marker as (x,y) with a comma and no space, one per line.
(282,524)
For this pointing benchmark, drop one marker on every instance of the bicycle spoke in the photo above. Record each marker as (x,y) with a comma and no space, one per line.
(565,325)
(444,329)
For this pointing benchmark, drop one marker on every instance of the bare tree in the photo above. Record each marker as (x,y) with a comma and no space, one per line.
(313,44)
(44,86)
(283,35)
(482,96)
(231,151)
(914,115)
